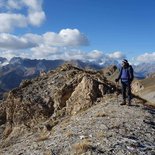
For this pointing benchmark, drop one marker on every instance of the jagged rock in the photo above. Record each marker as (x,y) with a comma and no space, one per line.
(25,83)
(67,88)
(42,73)
(85,94)
(109,70)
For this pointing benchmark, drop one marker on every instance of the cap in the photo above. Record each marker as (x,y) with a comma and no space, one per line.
(125,61)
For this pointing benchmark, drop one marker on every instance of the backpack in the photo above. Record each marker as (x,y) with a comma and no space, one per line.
(130,72)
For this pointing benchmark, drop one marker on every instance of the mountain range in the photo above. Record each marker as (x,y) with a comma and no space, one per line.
(12,72)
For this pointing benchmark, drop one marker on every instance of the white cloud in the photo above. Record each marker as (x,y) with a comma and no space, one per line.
(66,37)
(11,18)
(13,4)
(44,51)
(146,58)
(9,54)
(9,21)
(74,54)
(95,55)
(8,41)
(49,45)
(33,4)
(34,38)
(35,13)
(117,55)
(36,18)
(73,37)
(52,39)
(52,46)
(65,53)
(51,53)
(49,39)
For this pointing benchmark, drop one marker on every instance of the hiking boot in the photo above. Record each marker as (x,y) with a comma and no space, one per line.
(123,103)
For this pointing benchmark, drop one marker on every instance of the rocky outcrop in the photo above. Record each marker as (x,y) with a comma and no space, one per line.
(137,86)
(65,91)
(108,71)
(85,94)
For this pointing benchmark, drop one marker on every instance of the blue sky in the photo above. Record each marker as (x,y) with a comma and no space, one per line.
(92,30)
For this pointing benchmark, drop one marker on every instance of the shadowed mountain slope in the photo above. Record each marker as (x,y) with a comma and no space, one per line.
(19,69)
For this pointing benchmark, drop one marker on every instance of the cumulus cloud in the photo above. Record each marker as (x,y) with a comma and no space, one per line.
(34,38)
(36,18)
(13,53)
(33,4)
(11,17)
(46,52)
(66,37)
(8,41)
(50,39)
(13,4)
(59,52)
(49,45)
(73,37)
(117,55)
(65,53)
(95,55)
(52,46)
(9,21)
(146,58)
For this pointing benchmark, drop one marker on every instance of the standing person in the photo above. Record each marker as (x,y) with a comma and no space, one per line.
(126,76)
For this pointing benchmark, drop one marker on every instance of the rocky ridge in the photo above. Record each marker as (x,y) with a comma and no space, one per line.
(73,111)
(64,91)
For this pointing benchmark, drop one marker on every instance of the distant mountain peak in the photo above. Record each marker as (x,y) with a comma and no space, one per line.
(16,60)
(3,60)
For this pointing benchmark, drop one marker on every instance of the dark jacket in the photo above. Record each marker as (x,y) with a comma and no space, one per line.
(128,70)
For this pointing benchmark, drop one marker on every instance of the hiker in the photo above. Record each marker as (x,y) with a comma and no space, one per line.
(126,76)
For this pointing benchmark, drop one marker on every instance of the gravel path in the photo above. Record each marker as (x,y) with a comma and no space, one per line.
(106,128)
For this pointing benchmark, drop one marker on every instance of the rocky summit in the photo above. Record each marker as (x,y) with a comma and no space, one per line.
(71,111)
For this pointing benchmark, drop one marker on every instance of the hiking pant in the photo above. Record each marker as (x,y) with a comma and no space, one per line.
(126,89)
